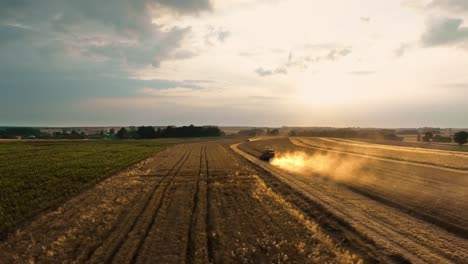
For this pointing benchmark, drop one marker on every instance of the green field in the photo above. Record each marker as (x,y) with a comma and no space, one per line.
(38,175)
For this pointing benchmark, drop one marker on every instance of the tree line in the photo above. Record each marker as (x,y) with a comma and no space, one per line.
(148,132)
(255,132)
(142,132)
(388,134)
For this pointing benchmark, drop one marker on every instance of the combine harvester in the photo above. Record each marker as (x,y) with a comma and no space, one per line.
(268,154)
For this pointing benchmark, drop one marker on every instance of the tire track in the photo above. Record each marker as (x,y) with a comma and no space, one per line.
(192,242)
(156,211)
(208,222)
(118,235)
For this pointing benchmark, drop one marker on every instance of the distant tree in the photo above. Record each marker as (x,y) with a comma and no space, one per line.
(74,134)
(392,136)
(83,134)
(273,132)
(292,133)
(12,132)
(427,136)
(123,133)
(419,137)
(460,137)
(111,132)
(440,138)
(251,132)
(159,132)
(146,132)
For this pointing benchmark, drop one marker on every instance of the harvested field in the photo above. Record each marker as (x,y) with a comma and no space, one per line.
(448,159)
(192,203)
(415,210)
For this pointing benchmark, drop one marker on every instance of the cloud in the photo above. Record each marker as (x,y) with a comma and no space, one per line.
(11,33)
(187,6)
(216,34)
(264,72)
(122,32)
(198,81)
(165,46)
(302,62)
(365,19)
(450,5)
(444,31)
(175,92)
(336,54)
(401,50)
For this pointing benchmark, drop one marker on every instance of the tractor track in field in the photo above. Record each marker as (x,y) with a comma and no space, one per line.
(118,236)
(191,242)
(163,196)
(208,221)
(391,230)
(196,245)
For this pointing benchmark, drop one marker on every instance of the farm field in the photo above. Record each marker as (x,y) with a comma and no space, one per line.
(414,209)
(216,202)
(35,175)
(449,159)
(448,146)
(193,203)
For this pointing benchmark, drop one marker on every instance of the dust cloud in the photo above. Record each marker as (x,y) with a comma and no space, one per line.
(329,165)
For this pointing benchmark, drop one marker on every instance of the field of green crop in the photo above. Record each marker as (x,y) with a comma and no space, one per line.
(38,175)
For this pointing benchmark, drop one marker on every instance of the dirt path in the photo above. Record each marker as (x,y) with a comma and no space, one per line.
(193,203)
(392,229)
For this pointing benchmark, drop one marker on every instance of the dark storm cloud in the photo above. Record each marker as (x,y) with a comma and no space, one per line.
(123,25)
(445,31)
(55,53)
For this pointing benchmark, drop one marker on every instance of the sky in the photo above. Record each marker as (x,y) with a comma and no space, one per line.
(356,63)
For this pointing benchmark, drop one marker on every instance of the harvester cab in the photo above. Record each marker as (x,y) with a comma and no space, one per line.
(268,154)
